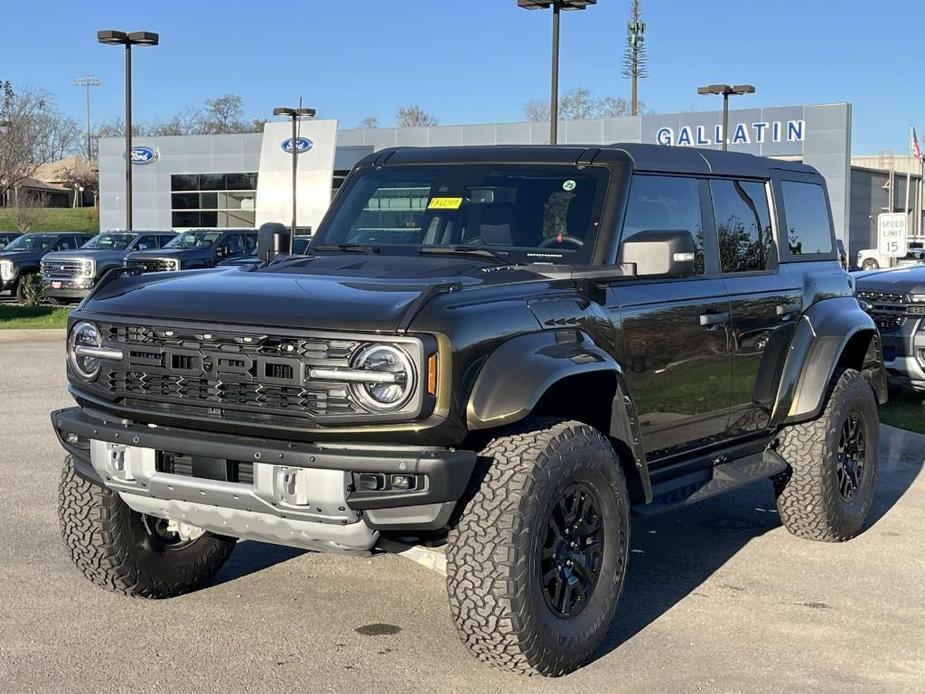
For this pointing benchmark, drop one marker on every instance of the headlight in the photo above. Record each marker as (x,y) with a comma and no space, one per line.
(89,267)
(84,336)
(917,298)
(173,264)
(6,269)
(392,382)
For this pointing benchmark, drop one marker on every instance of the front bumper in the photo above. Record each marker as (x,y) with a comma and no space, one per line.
(305,495)
(904,355)
(76,288)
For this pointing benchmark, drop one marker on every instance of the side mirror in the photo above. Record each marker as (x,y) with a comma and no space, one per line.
(668,253)
(272,241)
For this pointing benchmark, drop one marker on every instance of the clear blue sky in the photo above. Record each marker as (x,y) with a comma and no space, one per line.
(478,60)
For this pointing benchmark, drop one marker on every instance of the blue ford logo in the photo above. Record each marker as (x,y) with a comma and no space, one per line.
(143,155)
(303,144)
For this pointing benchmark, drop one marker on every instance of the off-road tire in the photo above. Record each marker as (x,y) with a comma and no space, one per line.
(808,498)
(493,579)
(108,543)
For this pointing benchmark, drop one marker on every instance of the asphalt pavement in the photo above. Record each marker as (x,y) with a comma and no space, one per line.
(719,597)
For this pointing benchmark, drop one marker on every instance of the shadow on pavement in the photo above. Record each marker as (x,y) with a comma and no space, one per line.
(250,557)
(673,554)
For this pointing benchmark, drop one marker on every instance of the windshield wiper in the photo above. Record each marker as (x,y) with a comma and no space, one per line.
(347,248)
(503,258)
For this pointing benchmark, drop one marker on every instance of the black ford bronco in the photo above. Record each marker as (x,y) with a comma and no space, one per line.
(505,350)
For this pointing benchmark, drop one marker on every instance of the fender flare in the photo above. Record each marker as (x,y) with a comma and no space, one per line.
(818,342)
(519,372)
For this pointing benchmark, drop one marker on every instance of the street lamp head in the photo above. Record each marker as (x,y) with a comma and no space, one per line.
(111,37)
(283,111)
(87,81)
(144,38)
(560,4)
(715,89)
(743,89)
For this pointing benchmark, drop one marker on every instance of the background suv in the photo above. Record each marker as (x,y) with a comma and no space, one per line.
(197,248)
(70,275)
(23,256)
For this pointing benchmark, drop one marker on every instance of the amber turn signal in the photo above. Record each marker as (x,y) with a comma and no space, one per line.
(432,374)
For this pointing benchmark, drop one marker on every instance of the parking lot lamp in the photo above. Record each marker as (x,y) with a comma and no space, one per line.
(112,37)
(295,114)
(557,6)
(726,90)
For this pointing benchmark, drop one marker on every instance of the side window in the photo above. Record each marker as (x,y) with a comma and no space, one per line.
(743,226)
(250,243)
(233,243)
(663,203)
(66,243)
(146,242)
(163,239)
(808,227)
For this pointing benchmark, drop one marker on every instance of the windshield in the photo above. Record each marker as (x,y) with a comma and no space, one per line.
(532,213)
(112,242)
(32,242)
(194,239)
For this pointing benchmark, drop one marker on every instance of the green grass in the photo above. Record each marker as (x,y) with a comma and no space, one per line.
(57,219)
(33,317)
(905,410)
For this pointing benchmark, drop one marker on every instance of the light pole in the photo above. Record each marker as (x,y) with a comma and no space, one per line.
(557,6)
(295,114)
(111,37)
(88,81)
(726,90)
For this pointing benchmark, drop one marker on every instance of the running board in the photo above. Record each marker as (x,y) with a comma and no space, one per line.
(709,482)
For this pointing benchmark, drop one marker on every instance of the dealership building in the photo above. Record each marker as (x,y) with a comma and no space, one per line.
(244,180)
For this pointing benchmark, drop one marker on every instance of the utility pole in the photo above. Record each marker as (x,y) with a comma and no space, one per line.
(88,81)
(634,60)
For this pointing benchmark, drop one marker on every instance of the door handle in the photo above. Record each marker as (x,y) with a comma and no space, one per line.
(789,309)
(708,320)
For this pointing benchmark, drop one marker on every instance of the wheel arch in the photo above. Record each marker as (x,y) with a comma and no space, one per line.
(561,374)
(832,334)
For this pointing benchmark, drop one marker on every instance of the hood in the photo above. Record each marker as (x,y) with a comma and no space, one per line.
(21,256)
(99,255)
(908,280)
(343,292)
(171,253)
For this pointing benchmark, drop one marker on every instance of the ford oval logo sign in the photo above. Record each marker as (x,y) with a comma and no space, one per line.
(303,144)
(143,155)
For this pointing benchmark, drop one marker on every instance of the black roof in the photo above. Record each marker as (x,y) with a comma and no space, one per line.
(645,157)
(58,232)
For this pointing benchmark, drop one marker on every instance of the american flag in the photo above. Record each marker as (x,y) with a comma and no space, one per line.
(916,150)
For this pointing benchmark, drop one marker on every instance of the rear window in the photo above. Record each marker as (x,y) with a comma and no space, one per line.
(809,230)
(539,213)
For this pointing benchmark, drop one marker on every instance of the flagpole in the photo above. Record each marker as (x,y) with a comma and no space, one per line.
(908,176)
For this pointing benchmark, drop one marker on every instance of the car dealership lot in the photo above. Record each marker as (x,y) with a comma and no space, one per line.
(719,597)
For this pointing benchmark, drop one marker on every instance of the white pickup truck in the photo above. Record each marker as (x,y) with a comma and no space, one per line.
(870,259)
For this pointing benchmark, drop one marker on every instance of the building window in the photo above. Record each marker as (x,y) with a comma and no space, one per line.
(223,201)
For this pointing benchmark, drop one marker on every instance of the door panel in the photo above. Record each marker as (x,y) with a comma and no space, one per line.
(764,307)
(677,360)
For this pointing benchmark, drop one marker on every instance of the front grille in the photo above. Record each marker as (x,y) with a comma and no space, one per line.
(889,310)
(63,269)
(233,376)
(152,264)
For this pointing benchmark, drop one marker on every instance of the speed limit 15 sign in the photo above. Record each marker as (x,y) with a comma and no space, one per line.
(891,235)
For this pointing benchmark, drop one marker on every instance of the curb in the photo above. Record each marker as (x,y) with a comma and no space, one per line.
(32,334)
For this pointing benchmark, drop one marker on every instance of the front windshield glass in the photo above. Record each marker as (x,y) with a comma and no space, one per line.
(32,242)
(109,242)
(532,213)
(194,239)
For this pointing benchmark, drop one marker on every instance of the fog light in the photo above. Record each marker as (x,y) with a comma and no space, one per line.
(72,438)
(403,482)
(370,481)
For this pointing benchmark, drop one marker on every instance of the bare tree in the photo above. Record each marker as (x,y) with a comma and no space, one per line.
(30,212)
(223,114)
(116,128)
(33,133)
(369,123)
(186,122)
(414,117)
(577,104)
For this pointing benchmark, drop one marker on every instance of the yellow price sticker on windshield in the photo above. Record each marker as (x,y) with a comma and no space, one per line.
(445,203)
